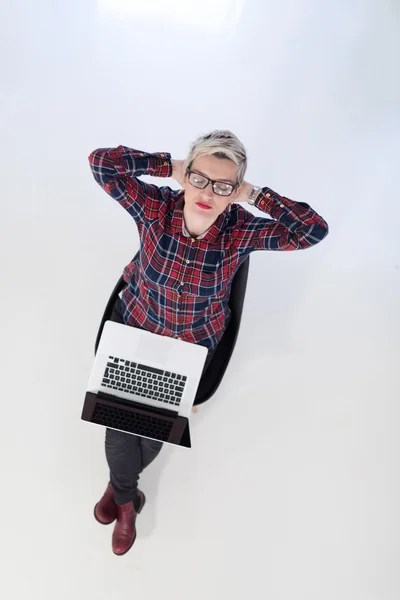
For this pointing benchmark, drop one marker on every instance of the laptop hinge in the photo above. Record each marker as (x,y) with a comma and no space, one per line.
(164,412)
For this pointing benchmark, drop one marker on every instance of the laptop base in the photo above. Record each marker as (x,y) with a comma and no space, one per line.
(136,419)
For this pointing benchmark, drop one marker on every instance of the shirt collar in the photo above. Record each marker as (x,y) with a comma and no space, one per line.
(178,222)
(187,234)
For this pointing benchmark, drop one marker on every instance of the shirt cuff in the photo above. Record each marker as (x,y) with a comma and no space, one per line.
(160,164)
(265,201)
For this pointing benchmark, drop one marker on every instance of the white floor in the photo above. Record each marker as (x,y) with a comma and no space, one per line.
(291,491)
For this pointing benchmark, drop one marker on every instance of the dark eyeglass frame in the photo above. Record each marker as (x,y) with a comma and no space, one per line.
(213,182)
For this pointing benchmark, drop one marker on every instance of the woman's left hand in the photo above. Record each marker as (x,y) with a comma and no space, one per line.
(244,192)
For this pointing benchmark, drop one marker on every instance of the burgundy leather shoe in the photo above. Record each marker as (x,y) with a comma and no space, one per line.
(105,511)
(124,534)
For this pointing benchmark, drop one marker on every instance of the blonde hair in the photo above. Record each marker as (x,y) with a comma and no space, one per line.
(221,144)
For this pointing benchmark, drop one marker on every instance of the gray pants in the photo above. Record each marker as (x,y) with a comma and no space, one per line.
(128,455)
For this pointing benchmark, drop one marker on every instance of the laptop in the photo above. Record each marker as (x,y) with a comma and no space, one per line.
(144,384)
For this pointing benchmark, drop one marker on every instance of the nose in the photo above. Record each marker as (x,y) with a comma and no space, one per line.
(207,193)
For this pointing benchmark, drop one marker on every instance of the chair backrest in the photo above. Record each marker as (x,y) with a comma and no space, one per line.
(212,378)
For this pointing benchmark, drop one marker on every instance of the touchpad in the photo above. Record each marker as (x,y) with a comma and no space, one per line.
(150,352)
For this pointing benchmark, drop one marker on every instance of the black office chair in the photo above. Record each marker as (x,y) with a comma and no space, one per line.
(212,378)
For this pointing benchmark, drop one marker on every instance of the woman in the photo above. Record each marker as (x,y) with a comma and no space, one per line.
(192,242)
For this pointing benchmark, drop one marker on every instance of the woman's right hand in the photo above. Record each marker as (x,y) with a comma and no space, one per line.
(178,172)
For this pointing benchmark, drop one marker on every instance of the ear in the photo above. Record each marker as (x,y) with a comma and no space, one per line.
(238,190)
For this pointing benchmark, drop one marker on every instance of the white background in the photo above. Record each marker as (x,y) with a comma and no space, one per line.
(291,490)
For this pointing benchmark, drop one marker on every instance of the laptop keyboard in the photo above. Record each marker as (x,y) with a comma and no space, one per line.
(141,380)
(118,418)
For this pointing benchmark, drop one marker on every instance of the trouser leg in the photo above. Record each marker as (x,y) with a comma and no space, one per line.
(127,456)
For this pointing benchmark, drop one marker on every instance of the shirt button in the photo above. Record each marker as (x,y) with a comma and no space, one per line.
(268,195)
(182,283)
(282,205)
(188,262)
(177,337)
(193,240)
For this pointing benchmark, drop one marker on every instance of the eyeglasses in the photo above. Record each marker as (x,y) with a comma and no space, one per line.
(219,187)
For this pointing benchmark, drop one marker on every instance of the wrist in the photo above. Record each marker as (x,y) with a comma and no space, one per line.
(247,189)
(254,194)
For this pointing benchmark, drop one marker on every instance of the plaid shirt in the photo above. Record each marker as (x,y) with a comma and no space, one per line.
(180,285)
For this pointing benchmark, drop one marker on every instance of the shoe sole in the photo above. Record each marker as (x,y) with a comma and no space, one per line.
(139,510)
